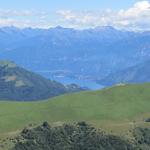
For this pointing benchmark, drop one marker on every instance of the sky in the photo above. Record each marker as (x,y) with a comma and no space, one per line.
(80,14)
(65,4)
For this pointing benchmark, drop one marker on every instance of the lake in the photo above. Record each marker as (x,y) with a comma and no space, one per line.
(83,83)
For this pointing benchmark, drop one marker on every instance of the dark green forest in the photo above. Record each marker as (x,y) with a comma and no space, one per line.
(79,136)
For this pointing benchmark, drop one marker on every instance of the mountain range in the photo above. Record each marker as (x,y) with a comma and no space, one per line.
(90,54)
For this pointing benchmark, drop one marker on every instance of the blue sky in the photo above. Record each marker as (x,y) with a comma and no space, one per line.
(66,4)
(127,14)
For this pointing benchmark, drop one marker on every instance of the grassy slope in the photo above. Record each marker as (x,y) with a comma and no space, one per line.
(120,104)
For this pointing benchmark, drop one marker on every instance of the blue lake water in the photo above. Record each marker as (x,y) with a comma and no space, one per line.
(83,83)
(69,80)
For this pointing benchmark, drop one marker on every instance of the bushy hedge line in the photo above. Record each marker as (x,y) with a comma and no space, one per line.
(80,136)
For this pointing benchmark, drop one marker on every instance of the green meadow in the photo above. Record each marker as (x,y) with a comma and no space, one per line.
(115,107)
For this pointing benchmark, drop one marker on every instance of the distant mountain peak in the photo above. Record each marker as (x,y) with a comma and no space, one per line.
(10,29)
(59,27)
(105,28)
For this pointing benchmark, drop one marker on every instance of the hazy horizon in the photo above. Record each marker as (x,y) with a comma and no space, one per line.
(128,15)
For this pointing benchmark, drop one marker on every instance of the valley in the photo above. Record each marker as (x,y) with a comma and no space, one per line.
(75,75)
(65,80)
(105,50)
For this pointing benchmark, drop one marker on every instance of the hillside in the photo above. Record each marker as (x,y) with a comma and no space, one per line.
(17,83)
(139,73)
(117,107)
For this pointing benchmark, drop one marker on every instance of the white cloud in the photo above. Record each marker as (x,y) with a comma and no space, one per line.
(23,18)
(138,9)
(135,18)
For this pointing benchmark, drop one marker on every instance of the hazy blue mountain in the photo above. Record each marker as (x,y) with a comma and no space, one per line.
(88,54)
(17,83)
(11,36)
(137,74)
